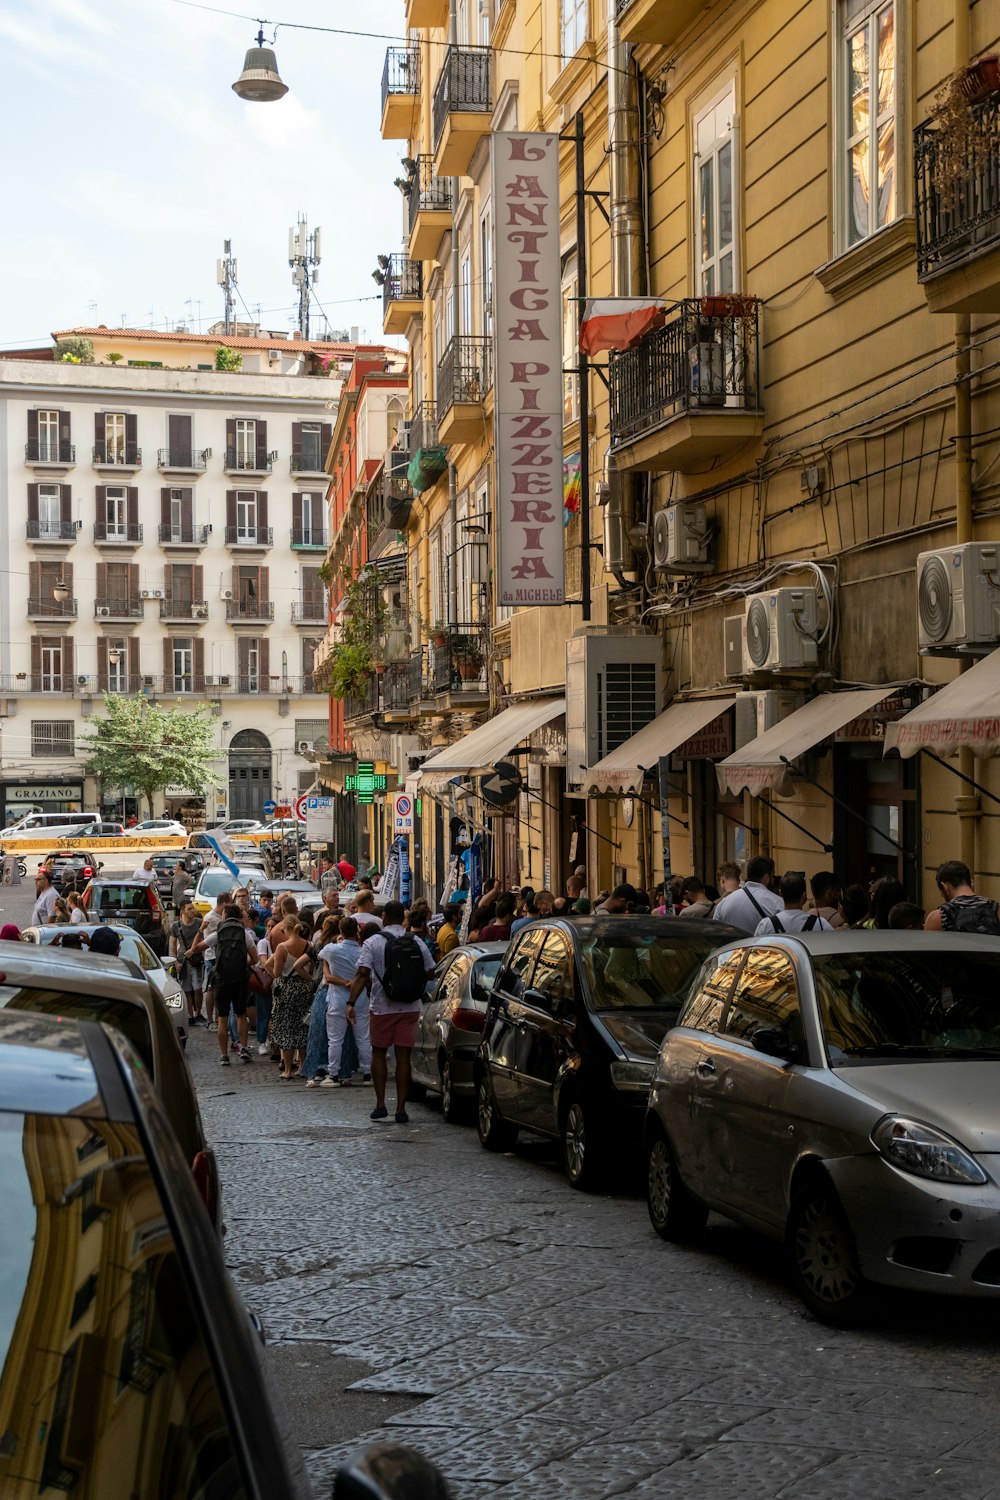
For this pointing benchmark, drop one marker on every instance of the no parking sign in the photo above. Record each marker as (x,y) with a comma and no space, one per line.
(403,813)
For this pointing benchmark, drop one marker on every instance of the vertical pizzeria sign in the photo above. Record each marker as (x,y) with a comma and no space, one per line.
(527,319)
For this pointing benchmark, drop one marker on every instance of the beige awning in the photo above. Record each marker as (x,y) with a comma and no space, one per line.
(621,772)
(477,752)
(965,714)
(761,765)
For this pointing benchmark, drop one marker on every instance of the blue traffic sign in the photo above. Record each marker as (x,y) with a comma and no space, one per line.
(269,809)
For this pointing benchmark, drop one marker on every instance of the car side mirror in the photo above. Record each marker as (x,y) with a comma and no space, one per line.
(539,999)
(389,1472)
(774,1042)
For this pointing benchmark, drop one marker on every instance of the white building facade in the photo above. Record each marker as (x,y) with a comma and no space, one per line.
(162,532)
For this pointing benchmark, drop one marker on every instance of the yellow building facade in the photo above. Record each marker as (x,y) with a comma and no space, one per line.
(810,195)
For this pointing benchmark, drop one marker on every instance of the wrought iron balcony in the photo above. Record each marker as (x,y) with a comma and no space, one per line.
(957,181)
(117,456)
(55,532)
(423,428)
(240,462)
(389,504)
(309,612)
(45,607)
(691,390)
(459,666)
(368,701)
(184,536)
(400,90)
(249,536)
(306,463)
(396,688)
(430,209)
(37,682)
(464,376)
(182,460)
(417,684)
(249,609)
(109,533)
(117,608)
(402,292)
(175,608)
(55,453)
(462,105)
(308,541)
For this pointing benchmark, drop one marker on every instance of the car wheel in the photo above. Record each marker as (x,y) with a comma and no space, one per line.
(673,1212)
(494,1132)
(582,1158)
(825,1267)
(451,1105)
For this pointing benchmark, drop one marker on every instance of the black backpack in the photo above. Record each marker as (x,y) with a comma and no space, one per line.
(404,975)
(231,954)
(971,914)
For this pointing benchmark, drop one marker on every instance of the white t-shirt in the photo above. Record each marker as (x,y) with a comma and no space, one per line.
(792,921)
(739,911)
(366,918)
(143,874)
(78,914)
(41,912)
(373,959)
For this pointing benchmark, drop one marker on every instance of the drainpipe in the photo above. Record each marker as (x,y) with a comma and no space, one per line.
(627,257)
(456,309)
(967,805)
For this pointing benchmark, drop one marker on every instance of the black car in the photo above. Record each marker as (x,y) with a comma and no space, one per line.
(165,864)
(137,903)
(71,869)
(129,1366)
(575,1020)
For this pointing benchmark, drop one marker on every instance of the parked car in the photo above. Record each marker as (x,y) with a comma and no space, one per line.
(575,1018)
(215,879)
(305,893)
(131,1366)
(838,1090)
(451,1025)
(71,869)
(93,987)
(158,972)
(240,825)
(165,865)
(169,827)
(136,903)
(104,830)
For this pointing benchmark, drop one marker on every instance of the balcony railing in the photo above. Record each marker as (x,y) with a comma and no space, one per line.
(465,373)
(58,531)
(184,460)
(183,536)
(423,427)
(117,455)
(38,451)
(389,506)
(128,534)
(957,195)
(458,665)
(306,463)
(705,358)
(249,536)
(120,685)
(37,682)
(308,540)
(463,86)
(239,462)
(118,609)
(308,612)
(428,194)
(401,73)
(368,701)
(404,281)
(396,687)
(249,609)
(173,608)
(44,607)
(417,682)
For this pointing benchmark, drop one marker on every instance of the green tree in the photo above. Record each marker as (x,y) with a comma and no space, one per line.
(228,359)
(139,744)
(74,351)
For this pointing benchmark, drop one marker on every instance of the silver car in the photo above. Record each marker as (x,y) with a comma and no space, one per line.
(840,1091)
(451,1025)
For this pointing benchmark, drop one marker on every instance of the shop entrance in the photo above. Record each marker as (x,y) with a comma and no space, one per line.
(249,774)
(884,790)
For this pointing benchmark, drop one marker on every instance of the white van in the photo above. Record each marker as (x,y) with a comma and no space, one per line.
(57,825)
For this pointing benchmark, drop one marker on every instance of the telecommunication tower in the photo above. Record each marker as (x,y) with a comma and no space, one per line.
(304,255)
(227,275)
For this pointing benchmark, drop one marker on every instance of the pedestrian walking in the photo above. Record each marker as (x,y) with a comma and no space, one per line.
(619,901)
(698,905)
(180,884)
(189,969)
(340,967)
(77,910)
(752,901)
(291,998)
(884,895)
(394,967)
(853,908)
(46,897)
(962,910)
(261,984)
(824,888)
(500,929)
(792,916)
(208,926)
(231,979)
(448,932)
(60,912)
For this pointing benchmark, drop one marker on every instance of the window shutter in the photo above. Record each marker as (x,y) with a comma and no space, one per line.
(317,516)
(133,584)
(99,431)
(187,511)
(168,662)
(132,505)
(231,441)
(262,445)
(165,507)
(296,438)
(67,660)
(199,664)
(261,511)
(296,515)
(179,439)
(64,428)
(66,573)
(243,656)
(33,502)
(198,583)
(102,583)
(230,510)
(262,585)
(34,580)
(36,663)
(168,580)
(131,431)
(66,504)
(325,439)
(133,664)
(102,664)
(33,431)
(102,504)
(236,581)
(264,658)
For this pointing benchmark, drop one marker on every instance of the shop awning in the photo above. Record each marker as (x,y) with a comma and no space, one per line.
(476,752)
(621,772)
(963,715)
(760,765)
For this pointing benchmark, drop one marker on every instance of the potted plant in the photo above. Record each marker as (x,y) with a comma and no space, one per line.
(964,143)
(469,658)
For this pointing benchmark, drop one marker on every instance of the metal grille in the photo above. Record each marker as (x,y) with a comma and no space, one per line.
(404,281)
(957,197)
(428,193)
(463,85)
(52,737)
(626,702)
(401,73)
(465,373)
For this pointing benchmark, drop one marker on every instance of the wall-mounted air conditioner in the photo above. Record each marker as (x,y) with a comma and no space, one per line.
(226,594)
(103,612)
(152,594)
(779,631)
(613,689)
(755,713)
(958,597)
(211,682)
(680,538)
(200,611)
(303,746)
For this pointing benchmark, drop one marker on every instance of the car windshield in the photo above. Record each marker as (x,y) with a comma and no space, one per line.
(109,1380)
(130,1018)
(125,897)
(214,881)
(926,1005)
(627,971)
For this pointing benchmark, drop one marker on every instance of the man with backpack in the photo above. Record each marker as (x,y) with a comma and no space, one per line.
(962,910)
(232,953)
(793,916)
(394,966)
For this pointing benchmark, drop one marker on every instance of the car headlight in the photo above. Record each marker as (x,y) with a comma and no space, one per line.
(632,1073)
(925,1151)
(175,1002)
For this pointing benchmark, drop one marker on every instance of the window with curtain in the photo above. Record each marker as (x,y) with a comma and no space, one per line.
(574,27)
(715,203)
(867,166)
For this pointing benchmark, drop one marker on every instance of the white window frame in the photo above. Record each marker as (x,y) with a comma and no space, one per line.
(246,515)
(465,286)
(486,269)
(116,511)
(183,660)
(176,514)
(312,430)
(118,670)
(573,27)
(246,443)
(49,511)
(114,437)
(52,669)
(252,674)
(48,436)
(308,512)
(850,17)
(709,259)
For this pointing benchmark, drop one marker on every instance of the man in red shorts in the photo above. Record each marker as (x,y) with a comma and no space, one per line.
(395,966)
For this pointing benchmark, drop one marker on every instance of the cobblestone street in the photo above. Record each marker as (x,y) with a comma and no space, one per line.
(535,1341)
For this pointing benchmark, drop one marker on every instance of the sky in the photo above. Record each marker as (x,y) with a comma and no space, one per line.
(129,160)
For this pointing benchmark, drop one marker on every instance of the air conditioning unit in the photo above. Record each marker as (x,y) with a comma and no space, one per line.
(613,689)
(303,746)
(200,612)
(151,593)
(226,594)
(225,681)
(82,681)
(680,538)
(779,631)
(103,612)
(958,597)
(211,682)
(149,682)
(755,713)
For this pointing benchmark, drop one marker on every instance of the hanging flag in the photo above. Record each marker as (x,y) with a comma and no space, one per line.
(619,322)
(571,486)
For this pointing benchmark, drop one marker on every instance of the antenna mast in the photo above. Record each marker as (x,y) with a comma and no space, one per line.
(227,275)
(304,255)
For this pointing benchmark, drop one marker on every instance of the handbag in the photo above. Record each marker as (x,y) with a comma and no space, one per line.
(261,980)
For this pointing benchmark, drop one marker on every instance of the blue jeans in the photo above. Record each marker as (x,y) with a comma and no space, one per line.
(316,1047)
(263,1016)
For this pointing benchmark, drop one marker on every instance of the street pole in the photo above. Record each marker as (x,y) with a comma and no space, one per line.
(583,368)
(663,777)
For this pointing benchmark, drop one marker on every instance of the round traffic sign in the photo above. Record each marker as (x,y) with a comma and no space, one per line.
(403,806)
(501,785)
(301,803)
(269,807)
